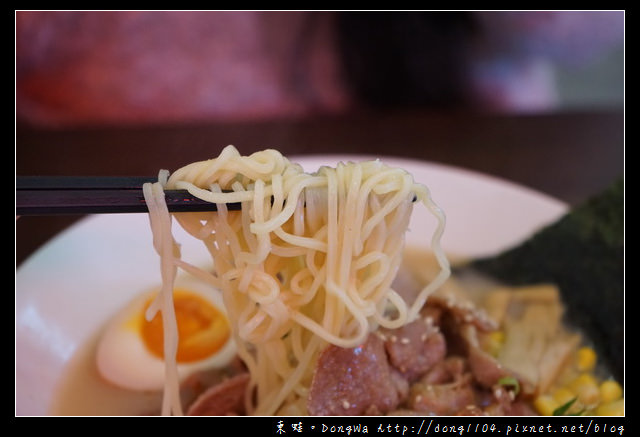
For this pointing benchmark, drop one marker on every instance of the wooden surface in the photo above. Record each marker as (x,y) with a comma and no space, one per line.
(568,155)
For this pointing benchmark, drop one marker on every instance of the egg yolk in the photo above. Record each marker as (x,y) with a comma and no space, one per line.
(202,328)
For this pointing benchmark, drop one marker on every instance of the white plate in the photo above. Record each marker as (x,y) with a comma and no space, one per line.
(73,284)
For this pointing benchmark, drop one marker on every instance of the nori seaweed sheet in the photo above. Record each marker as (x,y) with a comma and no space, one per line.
(583,254)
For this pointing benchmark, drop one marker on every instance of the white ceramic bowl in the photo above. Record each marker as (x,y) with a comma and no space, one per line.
(68,289)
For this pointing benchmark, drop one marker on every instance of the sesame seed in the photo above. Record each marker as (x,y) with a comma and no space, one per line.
(424,336)
(418,398)
(345,404)
(394,338)
(405,340)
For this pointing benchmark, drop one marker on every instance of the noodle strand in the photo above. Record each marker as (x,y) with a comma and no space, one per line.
(308,261)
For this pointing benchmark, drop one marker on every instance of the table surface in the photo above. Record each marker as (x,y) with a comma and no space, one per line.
(568,155)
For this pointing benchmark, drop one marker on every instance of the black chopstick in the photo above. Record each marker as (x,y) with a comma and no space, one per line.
(44,195)
(72,195)
(82,182)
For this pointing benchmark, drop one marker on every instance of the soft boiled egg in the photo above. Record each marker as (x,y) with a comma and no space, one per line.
(130,351)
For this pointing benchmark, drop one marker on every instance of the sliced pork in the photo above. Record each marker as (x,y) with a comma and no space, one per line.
(223,399)
(354,381)
(432,366)
(414,348)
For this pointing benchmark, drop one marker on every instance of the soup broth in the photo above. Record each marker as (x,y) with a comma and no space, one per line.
(531,339)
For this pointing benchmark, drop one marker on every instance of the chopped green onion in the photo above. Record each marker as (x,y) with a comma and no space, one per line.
(562,409)
(510,381)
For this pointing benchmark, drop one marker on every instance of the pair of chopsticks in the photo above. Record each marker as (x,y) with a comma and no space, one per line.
(68,195)
(60,195)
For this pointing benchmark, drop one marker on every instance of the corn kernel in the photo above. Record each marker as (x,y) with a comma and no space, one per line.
(586,359)
(610,391)
(545,405)
(563,395)
(582,380)
(615,408)
(497,336)
(586,388)
(494,343)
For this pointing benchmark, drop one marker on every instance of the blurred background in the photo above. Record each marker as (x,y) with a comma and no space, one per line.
(536,98)
(87,68)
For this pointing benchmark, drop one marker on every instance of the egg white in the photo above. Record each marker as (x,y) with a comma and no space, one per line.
(123,359)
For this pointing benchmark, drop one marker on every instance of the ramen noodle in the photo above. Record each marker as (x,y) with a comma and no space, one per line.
(308,262)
